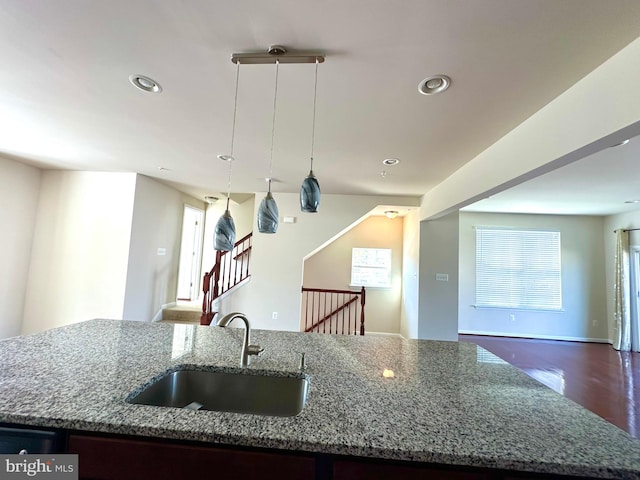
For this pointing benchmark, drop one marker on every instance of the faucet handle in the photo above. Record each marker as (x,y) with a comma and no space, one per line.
(303,364)
(254,350)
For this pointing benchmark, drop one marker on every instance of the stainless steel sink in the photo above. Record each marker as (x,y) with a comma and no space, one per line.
(241,392)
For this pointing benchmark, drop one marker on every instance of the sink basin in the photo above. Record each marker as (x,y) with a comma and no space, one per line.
(240,392)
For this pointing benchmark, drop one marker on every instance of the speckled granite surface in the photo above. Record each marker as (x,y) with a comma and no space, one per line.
(444,404)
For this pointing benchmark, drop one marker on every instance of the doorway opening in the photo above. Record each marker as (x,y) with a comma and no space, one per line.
(190,254)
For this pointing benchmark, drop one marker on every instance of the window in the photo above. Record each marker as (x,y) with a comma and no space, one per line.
(371,267)
(518,268)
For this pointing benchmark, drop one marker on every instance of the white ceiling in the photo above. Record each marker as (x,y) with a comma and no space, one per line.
(600,184)
(66,102)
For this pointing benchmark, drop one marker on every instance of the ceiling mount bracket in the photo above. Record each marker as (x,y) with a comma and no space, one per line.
(279,53)
(277,50)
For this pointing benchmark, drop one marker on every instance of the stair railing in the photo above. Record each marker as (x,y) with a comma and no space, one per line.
(333,311)
(230,269)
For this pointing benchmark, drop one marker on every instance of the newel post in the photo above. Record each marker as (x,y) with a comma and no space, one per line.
(206,284)
(216,275)
(362,300)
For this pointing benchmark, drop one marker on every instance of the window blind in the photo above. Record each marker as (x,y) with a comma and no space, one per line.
(371,267)
(518,268)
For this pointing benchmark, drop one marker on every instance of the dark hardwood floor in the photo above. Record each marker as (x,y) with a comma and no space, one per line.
(594,375)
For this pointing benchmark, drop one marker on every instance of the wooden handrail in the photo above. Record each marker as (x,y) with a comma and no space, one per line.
(328,290)
(335,309)
(239,242)
(230,269)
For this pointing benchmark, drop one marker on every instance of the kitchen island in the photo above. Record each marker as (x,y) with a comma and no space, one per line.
(373,401)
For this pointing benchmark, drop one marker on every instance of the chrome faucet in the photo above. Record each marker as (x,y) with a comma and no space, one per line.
(247,348)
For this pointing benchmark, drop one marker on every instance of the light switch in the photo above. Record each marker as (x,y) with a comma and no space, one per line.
(162,251)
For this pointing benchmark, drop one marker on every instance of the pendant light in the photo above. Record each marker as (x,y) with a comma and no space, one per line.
(225,231)
(310,189)
(268,210)
(268,213)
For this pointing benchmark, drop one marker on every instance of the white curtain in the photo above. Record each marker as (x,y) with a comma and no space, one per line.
(622,289)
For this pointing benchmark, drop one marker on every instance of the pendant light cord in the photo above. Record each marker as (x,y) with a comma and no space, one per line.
(235,107)
(273,125)
(233,131)
(313,125)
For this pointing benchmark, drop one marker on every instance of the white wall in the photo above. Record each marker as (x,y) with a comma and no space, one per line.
(80,248)
(581,121)
(438,300)
(152,279)
(277,260)
(410,268)
(19,191)
(244,217)
(331,268)
(583,281)
(613,222)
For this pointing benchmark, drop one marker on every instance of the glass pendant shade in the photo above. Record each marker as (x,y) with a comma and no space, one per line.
(310,194)
(268,215)
(225,233)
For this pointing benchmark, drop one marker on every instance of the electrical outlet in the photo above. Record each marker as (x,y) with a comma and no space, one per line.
(274,315)
(594,322)
(512,317)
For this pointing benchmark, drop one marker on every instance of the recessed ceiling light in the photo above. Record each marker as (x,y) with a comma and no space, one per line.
(164,169)
(632,201)
(434,84)
(226,158)
(619,144)
(390,161)
(211,199)
(145,83)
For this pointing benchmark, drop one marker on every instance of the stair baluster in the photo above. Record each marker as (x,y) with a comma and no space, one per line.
(333,310)
(231,268)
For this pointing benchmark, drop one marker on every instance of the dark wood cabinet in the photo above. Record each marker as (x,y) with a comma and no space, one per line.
(350,470)
(104,458)
(119,457)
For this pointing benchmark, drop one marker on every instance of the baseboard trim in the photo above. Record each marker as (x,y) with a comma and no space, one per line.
(535,336)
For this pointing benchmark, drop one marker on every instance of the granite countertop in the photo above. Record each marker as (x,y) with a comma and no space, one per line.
(445,404)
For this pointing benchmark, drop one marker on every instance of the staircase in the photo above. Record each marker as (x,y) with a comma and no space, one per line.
(182,313)
(230,270)
(324,310)
(333,311)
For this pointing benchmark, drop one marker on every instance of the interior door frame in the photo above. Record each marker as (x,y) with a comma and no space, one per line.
(194,246)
